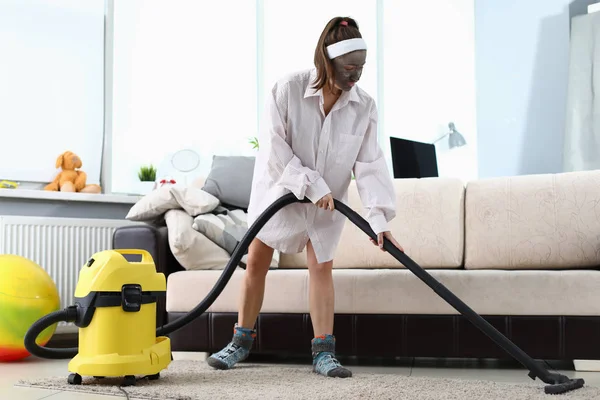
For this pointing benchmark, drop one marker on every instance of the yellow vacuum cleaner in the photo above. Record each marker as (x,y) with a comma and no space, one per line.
(115,310)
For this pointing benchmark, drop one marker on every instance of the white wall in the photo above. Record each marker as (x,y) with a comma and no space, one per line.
(522,56)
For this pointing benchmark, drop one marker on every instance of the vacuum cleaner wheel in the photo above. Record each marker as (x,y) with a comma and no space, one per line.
(129,380)
(74,379)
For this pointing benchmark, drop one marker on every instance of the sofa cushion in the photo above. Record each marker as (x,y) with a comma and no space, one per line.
(429,225)
(226,229)
(534,222)
(398,291)
(230,180)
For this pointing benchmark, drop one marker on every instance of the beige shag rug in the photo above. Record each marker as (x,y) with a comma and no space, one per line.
(195,380)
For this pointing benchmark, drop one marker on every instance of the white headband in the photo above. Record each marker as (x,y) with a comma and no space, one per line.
(345,46)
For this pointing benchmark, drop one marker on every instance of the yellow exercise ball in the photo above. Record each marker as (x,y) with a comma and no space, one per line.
(27,293)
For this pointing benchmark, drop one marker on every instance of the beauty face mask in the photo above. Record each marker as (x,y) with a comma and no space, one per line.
(348,69)
(348,57)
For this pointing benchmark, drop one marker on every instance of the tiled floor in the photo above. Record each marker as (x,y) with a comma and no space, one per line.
(464,369)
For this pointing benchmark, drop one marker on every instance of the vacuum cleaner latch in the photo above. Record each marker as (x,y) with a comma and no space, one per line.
(131,298)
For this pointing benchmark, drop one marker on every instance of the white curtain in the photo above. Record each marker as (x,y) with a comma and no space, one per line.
(582,134)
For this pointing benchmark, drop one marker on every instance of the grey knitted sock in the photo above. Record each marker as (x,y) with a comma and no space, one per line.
(237,350)
(324,361)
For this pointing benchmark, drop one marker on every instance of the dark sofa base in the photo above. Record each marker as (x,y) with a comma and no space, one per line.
(542,337)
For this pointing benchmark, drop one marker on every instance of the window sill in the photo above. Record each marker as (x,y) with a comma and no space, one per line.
(66,196)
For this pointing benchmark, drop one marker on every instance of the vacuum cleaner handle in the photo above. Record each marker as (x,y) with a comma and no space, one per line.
(146,256)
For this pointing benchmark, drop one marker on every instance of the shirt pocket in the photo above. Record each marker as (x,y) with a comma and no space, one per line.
(347,149)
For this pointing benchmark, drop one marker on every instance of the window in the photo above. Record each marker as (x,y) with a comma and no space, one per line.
(52,80)
(429,75)
(191,74)
(184,76)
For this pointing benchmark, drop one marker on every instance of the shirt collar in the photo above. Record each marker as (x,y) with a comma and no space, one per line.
(346,97)
(310,91)
(353,95)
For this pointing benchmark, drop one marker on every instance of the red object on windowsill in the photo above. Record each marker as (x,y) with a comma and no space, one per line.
(166,181)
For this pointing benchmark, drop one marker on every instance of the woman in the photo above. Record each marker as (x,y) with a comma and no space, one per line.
(320,127)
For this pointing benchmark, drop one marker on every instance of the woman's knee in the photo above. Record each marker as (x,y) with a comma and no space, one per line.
(314,266)
(259,258)
(321,268)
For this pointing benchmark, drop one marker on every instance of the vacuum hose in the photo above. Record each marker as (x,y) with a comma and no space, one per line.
(72,313)
(69,314)
(557,383)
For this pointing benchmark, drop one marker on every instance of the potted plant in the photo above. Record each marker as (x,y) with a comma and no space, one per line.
(254,142)
(147,177)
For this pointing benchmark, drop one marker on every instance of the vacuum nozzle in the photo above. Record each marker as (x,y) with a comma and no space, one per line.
(563,384)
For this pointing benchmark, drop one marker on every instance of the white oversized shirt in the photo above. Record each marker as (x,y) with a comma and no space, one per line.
(309,154)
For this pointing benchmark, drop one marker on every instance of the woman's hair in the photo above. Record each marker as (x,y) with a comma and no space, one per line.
(334,32)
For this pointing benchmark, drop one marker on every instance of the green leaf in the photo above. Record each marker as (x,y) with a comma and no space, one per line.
(254,142)
(147,173)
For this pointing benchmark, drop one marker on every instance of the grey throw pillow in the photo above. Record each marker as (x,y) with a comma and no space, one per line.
(230,180)
(226,229)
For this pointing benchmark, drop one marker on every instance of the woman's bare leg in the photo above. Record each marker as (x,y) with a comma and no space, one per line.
(251,298)
(321,295)
(253,285)
(322,308)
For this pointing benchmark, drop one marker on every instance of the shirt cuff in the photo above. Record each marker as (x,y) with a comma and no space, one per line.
(317,190)
(378,223)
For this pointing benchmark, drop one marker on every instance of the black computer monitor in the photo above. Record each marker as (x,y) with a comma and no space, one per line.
(412,159)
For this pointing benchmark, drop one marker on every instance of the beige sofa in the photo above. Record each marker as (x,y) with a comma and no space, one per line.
(524,252)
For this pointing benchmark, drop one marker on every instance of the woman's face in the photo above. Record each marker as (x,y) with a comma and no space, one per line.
(348,69)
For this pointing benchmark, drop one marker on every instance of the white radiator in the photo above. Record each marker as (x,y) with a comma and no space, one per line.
(59,245)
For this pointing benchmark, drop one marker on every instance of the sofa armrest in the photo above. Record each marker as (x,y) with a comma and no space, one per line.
(153,239)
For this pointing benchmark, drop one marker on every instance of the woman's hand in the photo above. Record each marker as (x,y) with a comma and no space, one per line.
(326,202)
(389,236)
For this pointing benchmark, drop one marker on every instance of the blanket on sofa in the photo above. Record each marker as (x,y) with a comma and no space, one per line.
(226,228)
(202,233)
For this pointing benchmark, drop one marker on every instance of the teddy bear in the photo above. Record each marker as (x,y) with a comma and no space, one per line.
(70,179)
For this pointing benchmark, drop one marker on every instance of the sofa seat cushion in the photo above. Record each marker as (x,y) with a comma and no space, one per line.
(534,222)
(398,291)
(429,224)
